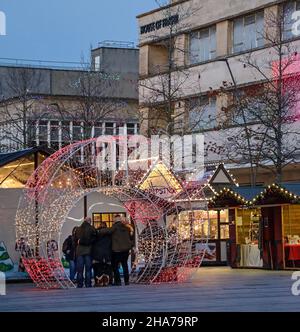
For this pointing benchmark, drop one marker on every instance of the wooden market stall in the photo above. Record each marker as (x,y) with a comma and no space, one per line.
(264,225)
(216,222)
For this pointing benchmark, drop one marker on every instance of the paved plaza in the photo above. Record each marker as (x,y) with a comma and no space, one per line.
(212,289)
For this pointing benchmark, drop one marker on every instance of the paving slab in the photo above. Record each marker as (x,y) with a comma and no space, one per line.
(211,289)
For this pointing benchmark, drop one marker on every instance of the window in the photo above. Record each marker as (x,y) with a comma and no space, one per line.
(32,126)
(65,132)
(109,128)
(203,45)
(130,129)
(224,225)
(288,10)
(54,134)
(108,218)
(202,113)
(98,130)
(54,131)
(77,131)
(97,63)
(248,32)
(43,132)
(121,129)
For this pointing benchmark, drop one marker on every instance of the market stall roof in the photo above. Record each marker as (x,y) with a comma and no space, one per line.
(17,167)
(206,185)
(226,198)
(161,181)
(292,187)
(248,192)
(8,157)
(277,194)
(256,196)
(222,176)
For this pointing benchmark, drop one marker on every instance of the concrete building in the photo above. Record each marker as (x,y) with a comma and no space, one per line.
(210,40)
(65,105)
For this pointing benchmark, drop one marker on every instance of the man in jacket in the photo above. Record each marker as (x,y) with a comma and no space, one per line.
(85,235)
(122,243)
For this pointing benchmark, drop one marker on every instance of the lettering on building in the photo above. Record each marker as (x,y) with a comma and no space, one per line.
(154,26)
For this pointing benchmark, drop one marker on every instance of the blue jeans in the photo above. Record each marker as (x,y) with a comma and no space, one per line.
(117,258)
(84,263)
(72,267)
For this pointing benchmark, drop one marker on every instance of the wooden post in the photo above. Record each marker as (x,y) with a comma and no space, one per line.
(85,210)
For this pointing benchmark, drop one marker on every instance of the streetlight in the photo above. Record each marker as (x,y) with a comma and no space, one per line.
(230,71)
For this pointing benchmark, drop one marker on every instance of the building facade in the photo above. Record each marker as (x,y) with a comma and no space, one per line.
(200,47)
(54,107)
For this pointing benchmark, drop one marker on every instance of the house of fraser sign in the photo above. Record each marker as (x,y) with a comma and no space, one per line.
(157,25)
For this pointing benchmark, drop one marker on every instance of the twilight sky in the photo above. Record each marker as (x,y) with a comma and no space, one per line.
(63,30)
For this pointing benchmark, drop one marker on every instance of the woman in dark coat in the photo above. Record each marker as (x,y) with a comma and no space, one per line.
(69,249)
(101,253)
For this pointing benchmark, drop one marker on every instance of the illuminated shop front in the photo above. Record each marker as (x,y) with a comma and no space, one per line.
(214,225)
(15,169)
(264,231)
(107,218)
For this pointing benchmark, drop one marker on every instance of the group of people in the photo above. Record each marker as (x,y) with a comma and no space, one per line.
(102,250)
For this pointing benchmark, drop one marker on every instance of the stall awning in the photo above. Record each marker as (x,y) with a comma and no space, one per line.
(256,196)
(226,198)
(6,158)
(277,194)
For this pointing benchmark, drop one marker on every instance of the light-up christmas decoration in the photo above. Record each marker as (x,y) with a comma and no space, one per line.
(149,196)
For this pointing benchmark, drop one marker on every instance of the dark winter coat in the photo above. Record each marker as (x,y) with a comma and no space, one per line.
(102,247)
(85,235)
(122,240)
(69,248)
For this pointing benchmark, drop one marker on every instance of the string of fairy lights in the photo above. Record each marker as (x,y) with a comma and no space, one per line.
(272,189)
(60,183)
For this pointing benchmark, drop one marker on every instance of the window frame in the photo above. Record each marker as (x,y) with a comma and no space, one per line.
(212,52)
(242,46)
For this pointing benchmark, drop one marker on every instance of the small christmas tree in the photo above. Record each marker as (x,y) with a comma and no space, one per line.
(6,264)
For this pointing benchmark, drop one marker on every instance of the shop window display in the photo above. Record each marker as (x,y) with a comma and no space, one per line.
(248,234)
(201,227)
(214,225)
(291,235)
(108,218)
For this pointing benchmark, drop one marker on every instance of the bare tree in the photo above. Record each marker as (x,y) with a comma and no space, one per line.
(163,91)
(94,102)
(19,90)
(264,116)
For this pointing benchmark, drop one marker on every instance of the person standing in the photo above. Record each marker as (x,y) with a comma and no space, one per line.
(85,235)
(69,249)
(122,242)
(102,253)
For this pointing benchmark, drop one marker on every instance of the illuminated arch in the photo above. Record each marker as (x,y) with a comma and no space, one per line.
(72,173)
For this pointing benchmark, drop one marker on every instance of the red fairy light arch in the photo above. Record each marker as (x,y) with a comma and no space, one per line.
(163,254)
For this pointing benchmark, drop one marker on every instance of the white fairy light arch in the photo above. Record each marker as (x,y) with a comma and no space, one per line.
(63,179)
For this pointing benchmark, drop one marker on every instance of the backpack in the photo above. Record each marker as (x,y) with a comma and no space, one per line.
(66,246)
